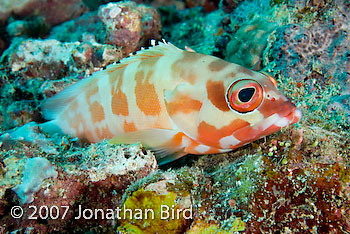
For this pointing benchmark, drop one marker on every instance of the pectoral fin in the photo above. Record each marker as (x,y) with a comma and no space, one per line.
(166,144)
(184,109)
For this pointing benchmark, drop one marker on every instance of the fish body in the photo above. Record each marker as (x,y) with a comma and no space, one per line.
(174,101)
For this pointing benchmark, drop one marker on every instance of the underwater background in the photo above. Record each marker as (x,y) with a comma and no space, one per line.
(293,181)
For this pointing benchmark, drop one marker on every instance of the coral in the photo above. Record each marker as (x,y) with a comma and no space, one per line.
(212,228)
(35,171)
(296,200)
(2,45)
(208,5)
(18,113)
(34,69)
(54,12)
(191,27)
(248,42)
(10,174)
(297,51)
(166,215)
(29,133)
(229,5)
(178,4)
(50,65)
(294,181)
(89,25)
(28,28)
(104,160)
(303,185)
(129,25)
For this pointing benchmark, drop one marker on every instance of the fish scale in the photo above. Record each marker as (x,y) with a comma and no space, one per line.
(175,102)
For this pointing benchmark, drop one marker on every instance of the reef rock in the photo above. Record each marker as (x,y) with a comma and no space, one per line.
(52,59)
(129,25)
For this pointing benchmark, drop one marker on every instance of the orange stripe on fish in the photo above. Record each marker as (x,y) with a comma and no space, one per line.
(184,104)
(146,95)
(119,102)
(216,94)
(176,102)
(129,127)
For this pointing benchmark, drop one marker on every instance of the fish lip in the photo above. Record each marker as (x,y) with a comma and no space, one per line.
(293,116)
(290,112)
(282,120)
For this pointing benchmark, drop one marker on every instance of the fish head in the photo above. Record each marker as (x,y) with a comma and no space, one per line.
(254,108)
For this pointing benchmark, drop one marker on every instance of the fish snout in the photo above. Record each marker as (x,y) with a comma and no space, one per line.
(291,112)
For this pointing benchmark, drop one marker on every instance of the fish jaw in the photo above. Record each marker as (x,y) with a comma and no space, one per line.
(294,116)
(275,122)
(278,121)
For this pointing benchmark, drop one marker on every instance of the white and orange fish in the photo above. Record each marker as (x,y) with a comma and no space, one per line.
(174,101)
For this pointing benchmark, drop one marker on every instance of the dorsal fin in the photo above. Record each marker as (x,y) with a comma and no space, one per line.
(155,51)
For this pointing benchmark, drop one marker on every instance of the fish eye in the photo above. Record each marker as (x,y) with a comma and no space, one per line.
(244,95)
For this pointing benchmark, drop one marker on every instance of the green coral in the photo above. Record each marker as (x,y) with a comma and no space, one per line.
(248,43)
(151,200)
(237,226)
(246,177)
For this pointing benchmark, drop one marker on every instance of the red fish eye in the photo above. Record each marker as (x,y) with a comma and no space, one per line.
(244,95)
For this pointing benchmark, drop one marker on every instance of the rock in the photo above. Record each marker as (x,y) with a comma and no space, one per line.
(129,25)
(51,59)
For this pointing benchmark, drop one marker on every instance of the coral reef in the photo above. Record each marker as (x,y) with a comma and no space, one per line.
(51,59)
(193,28)
(208,5)
(244,50)
(27,28)
(86,28)
(10,174)
(298,51)
(74,50)
(166,214)
(37,68)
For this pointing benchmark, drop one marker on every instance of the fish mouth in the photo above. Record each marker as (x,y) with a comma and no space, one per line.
(294,116)
(287,116)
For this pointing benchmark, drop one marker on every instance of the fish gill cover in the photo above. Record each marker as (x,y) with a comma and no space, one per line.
(293,181)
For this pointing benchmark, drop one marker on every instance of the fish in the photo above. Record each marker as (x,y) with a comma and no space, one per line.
(173,101)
